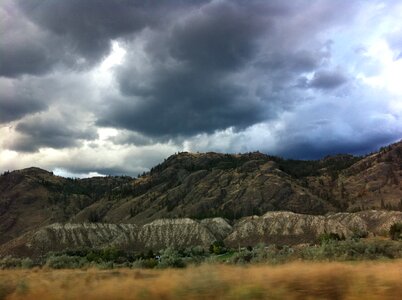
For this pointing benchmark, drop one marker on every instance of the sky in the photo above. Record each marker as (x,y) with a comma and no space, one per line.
(91,87)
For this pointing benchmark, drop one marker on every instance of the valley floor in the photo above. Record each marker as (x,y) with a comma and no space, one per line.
(297,280)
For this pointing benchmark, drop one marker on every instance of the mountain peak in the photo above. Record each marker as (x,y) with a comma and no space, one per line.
(34,170)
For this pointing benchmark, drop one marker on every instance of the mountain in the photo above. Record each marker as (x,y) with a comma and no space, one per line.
(31,198)
(203,186)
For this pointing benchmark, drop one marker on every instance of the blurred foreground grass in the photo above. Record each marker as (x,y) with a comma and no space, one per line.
(297,280)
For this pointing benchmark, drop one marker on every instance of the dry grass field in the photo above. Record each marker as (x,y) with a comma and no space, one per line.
(363,280)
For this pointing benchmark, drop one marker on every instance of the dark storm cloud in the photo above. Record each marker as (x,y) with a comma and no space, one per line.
(327,80)
(54,132)
(189,88)
(88,26)
(221,37)
(298,61)
(184,102)
(24,58)
(14,108)
(191,67)
(19,99)
(23,48)
(39,35)
(302,148)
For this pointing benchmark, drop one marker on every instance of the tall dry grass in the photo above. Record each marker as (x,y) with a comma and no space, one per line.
(363,280)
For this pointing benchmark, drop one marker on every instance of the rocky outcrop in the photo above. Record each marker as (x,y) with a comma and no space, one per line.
(287,228)
(283,228)
(280,228)
(178,233)
(379,222)
(159,234)
(219,227)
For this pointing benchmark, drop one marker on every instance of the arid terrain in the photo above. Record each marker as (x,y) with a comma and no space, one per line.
(197,198)
(379,280)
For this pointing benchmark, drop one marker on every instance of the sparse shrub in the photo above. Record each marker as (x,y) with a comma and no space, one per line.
(217,247)
(193,255)
(260,253)
(197,251)
(10,262)
(66,262)
(106,255)
(353,250)
(242,257)
(395,231)
(329,237)
(170,258)
(359,234)
(27,263)
(148,263)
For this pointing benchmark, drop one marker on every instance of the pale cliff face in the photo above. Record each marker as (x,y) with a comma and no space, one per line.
(281,228)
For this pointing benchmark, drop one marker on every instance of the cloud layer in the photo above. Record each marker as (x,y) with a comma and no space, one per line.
(126,83)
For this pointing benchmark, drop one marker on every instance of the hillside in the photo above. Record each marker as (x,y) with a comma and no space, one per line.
(280,228)
(200,186)
(32,197)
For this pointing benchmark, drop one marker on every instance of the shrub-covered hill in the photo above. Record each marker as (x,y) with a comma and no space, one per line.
(203,185)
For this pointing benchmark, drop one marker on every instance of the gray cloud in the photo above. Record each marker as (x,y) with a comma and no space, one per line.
(22,45)
(221,36)
(88,26)
(74,34)
(128,137)
(298,61)
(196,80)
(182,102)
(213,70)
(27,57)
(356,124)
(18,99)
(14,108)
(126,160)
(327,80)
(302,148)
(56,132)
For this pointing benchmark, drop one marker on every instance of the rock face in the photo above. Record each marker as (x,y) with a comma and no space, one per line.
(287,228)
(159,234)
(284,228)
(379,222)
(219,227)
(280,228)
(178,233)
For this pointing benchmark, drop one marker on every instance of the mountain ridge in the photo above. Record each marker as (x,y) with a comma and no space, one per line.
(201,186)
